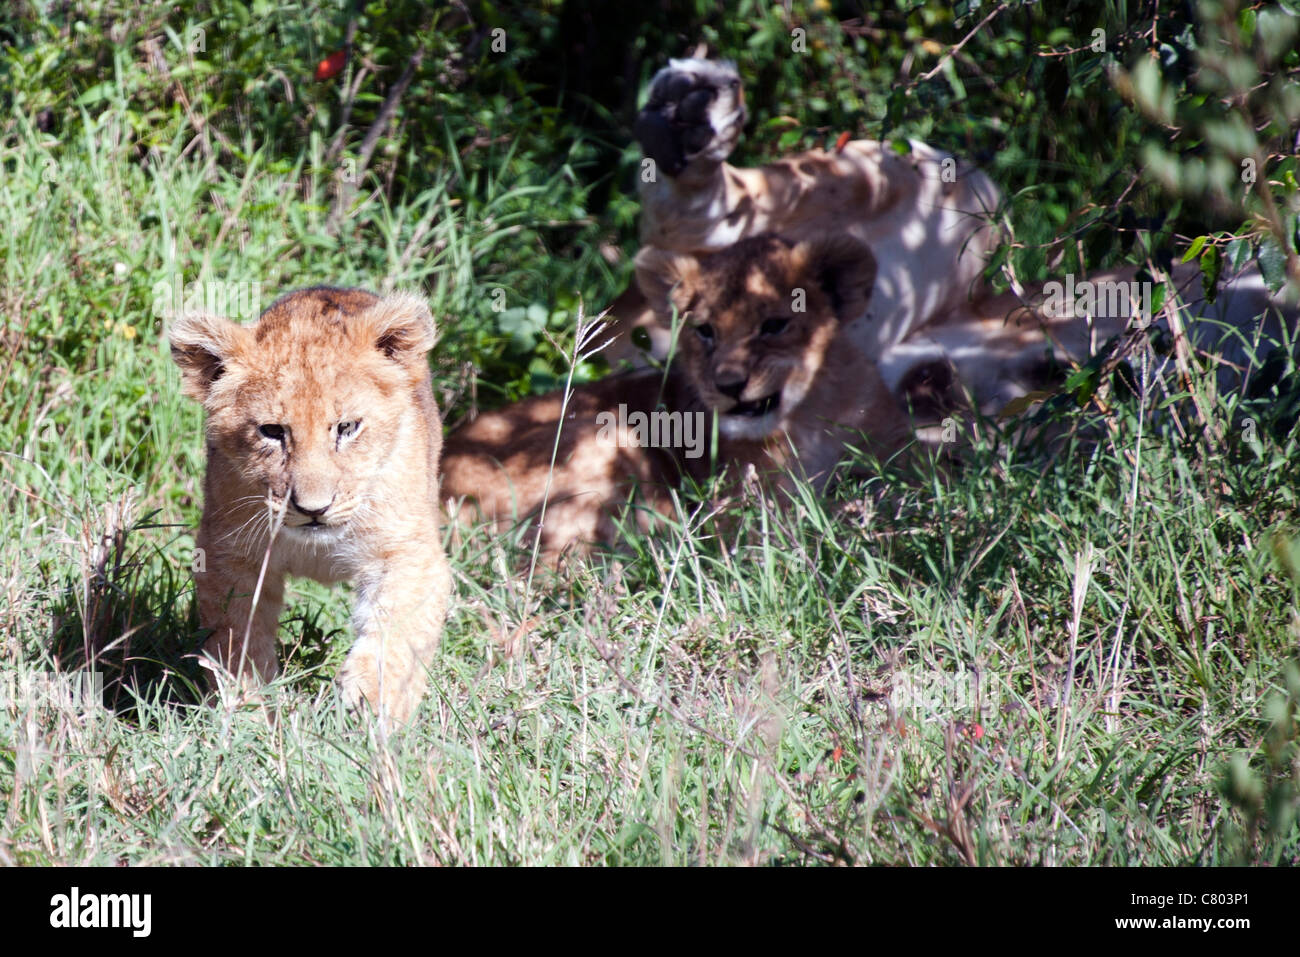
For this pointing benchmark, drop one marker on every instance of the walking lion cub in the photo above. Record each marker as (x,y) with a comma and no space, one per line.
(323,441)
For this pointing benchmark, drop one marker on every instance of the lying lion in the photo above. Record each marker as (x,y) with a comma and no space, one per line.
(763,351)
(932,325)
(923,214)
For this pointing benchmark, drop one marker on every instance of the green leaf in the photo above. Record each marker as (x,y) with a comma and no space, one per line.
(1088,70)
(1158,295)
(1195,248)
(523,325)
(1211,266)
(1021,404)
(1238,254)
(1083,383)
(1246,26)
(96,93)
(1272,264)
(789,138)
(1151,92)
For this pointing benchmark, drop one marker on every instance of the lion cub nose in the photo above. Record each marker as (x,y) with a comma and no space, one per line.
(310,508)
(731,386)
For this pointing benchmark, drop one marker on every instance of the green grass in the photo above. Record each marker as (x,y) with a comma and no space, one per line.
(1015,665)
(1014,661)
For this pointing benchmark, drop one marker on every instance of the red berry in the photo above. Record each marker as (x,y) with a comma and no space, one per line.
(332,65)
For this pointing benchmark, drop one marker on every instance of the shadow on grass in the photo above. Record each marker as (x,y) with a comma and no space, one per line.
(129,623)
(126,620)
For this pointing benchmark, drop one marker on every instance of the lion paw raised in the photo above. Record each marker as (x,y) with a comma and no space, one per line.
(696,110)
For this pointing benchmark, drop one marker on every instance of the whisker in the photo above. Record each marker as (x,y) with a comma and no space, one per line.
(237,503)
(248,525)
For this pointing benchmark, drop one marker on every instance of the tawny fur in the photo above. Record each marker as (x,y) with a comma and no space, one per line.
(823,396)
(926,217)
(924,214)
(501,465)
(323,441)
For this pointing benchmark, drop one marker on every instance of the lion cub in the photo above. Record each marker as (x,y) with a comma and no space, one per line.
(760,350)
(323,441)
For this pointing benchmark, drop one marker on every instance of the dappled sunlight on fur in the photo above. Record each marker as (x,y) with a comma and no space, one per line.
(797,396)
(925,214)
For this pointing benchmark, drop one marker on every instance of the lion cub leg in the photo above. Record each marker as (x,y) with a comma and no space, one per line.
(398,620)
(225,594)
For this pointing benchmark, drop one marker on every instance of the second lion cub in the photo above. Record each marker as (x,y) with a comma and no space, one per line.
(760,349)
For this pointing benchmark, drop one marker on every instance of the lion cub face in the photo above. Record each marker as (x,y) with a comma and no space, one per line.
(310,430)
(757,321)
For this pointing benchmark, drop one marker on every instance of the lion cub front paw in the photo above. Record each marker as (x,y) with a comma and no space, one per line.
(392,691)
(696,109)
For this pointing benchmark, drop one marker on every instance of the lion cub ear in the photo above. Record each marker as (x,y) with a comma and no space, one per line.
(845,269)
(401,327)
(202,345)
(667,280)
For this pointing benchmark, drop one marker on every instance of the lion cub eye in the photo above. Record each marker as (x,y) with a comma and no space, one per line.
(273,432)
(774,326)
(348,429)
(705,332)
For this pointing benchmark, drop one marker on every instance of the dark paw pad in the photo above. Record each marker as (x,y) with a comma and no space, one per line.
(695,106)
